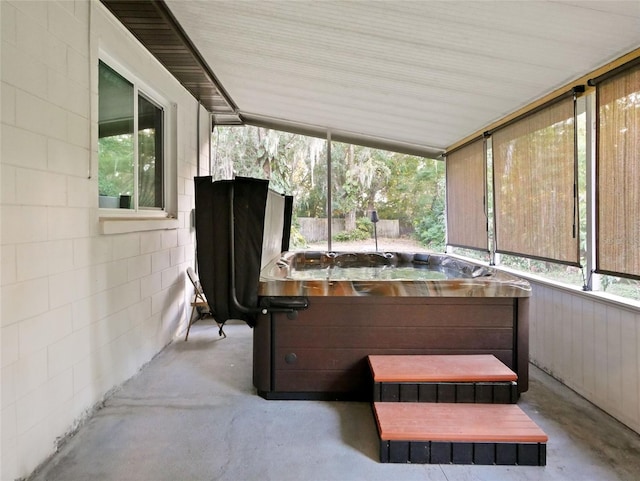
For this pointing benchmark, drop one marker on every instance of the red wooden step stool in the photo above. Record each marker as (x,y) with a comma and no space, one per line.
(479,378)
(458,433)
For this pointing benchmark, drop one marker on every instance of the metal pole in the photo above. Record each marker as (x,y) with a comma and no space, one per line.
(329,217)
(375,234)
(374,219)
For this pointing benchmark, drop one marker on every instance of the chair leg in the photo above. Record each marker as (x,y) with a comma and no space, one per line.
(186,338)
(221,333)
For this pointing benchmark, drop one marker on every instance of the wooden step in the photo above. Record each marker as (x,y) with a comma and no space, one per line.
(458,433)
(480,378)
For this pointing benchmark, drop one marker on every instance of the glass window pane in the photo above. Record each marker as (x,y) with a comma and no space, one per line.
(150,154)
(294,165)
(405,192)
(115,138)
(309,189)
(620,286)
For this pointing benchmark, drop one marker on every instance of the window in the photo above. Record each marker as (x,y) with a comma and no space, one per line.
(535,185)
(617,172)
(294,165)
(583,276)
(466,194)
(130,145)
(405,191)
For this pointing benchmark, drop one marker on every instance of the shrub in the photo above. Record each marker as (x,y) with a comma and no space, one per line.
(429,230)
(296,239)
(363,231)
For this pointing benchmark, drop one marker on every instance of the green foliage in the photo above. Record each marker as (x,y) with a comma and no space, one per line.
(360,177)
(148,177)
(429,230)
(115,174)
(620,286)
(430,227)
(107,187)
(296,239)
(398,186)
(363,231)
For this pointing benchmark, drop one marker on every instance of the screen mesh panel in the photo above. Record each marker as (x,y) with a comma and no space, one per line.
(618,174)
(466,192)
(534,185)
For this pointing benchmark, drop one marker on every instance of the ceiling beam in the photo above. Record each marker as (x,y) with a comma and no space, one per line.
(338,135)
(153,24)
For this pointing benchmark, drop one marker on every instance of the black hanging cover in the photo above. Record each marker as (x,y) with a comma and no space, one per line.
(230,218)
(286,228)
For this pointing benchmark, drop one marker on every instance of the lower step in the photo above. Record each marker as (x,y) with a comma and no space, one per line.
(506,454)
(478,378)
(458,434)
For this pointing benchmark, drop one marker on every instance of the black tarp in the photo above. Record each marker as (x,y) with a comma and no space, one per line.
(286,228)
(229,220)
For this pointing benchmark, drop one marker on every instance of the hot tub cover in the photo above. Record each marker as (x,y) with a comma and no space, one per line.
(230,227)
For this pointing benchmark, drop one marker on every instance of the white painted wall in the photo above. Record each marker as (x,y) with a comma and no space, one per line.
(592,345)
(81,311)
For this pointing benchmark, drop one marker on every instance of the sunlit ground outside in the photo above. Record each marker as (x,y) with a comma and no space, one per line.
(369,245)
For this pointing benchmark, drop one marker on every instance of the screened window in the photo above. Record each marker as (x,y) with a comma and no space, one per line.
(535,185)
(466,196)
(130,145)
(618,174)
(344,182)
(294,165)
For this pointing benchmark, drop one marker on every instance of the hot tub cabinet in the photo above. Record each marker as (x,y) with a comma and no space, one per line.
(320,352)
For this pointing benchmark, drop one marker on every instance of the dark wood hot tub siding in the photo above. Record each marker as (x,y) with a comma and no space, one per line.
(323,352)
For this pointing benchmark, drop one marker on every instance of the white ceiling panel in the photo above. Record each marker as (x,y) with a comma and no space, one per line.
(422,73)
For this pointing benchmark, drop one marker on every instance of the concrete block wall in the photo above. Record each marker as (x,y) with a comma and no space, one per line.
(81,312)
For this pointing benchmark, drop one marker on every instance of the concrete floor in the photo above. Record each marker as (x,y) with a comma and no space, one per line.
(191,414)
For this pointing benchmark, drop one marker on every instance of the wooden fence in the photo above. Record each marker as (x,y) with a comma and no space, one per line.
(315,229)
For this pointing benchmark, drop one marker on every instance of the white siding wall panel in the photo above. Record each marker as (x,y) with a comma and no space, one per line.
(576,326)
(587,314)
(600,355)
(630,370)
(591,345)
(614,359)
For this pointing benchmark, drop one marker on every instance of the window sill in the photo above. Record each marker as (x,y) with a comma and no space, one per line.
(600,296)
(120,225)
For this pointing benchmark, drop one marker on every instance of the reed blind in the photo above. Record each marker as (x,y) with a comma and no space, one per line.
(534,185)
(466,194)
(618,174)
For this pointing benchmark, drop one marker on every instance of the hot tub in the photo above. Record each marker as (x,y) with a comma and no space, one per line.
(318,315)
(359,304)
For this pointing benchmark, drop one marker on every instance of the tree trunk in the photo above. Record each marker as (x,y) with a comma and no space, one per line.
(350,220)
(350,216)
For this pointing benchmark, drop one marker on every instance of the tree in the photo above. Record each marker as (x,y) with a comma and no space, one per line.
(115,176)
(398,186)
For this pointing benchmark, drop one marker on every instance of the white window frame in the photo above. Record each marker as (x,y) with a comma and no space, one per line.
(169,211)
